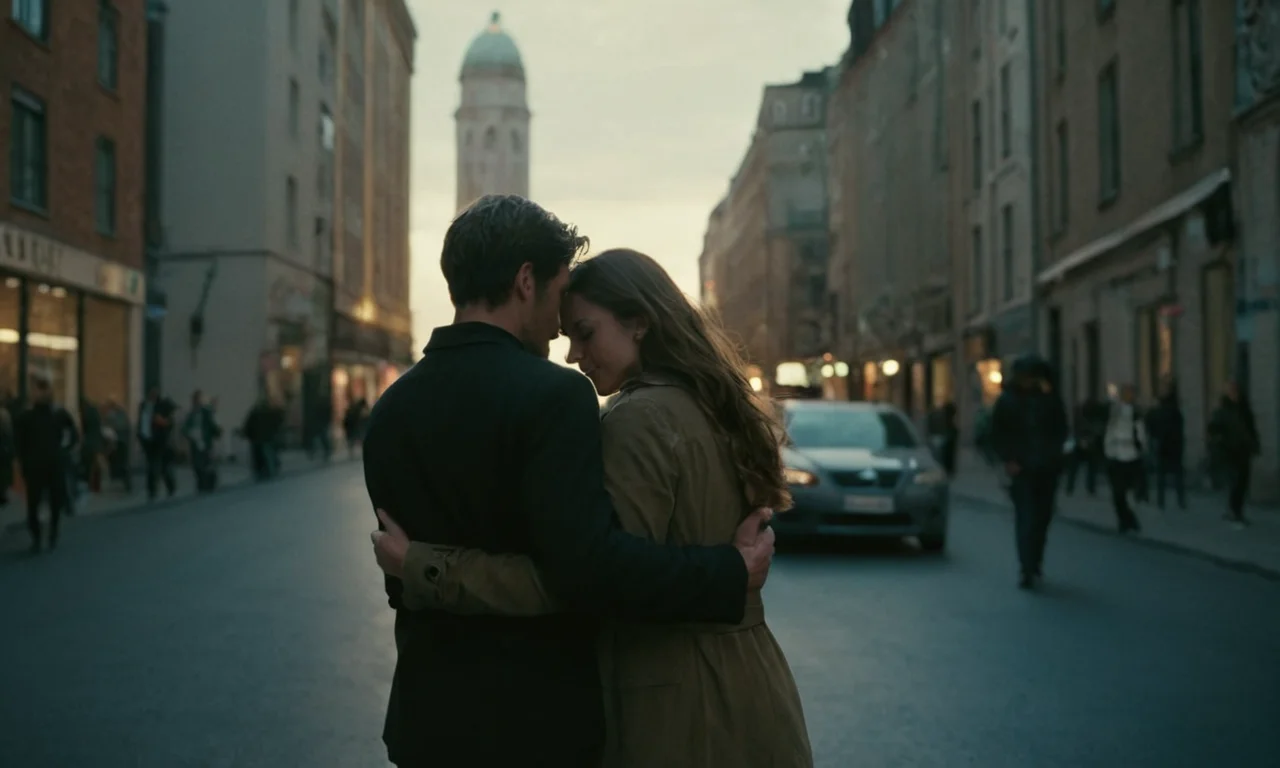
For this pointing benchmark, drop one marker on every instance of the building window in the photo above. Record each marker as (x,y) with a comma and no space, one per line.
(1006,113)
(1106,9)
(295,99)
(28,152)
(1109,133)
(1003,13)
(1062,205)
(33,17)
(490,138)
(104,186)
(293,25)
(809,106)
(1006,249)
(108,45)
(1060,36)
(976,276)
(291,211)
(517,144)
(1188,86)
(779,111)
(53,341)
(976,129)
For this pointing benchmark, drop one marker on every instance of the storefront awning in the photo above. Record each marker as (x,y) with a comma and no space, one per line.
(1166,211)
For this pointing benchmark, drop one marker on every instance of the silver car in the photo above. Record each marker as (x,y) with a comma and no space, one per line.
(861,469)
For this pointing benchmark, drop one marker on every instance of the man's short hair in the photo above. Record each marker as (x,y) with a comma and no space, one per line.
(41,384)
(488,243)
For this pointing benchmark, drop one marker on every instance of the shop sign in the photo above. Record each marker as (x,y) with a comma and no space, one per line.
(28,253)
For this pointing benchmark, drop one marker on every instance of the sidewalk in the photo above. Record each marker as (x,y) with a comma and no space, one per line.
(232,473)
(1199,530)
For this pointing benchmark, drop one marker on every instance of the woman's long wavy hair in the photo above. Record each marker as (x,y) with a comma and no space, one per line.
(683,342)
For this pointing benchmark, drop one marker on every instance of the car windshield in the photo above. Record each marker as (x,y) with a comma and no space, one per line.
(865,428)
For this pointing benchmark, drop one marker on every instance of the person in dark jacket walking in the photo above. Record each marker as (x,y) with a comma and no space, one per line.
(1233,435)
(1166,429)
(1028,432)
(155,430)
(44,432)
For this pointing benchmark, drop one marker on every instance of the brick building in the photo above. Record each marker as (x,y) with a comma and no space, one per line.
(764,262)
(71,199)
(889,157)
(1136,280)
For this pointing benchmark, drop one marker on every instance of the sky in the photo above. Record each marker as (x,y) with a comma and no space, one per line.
(641,114)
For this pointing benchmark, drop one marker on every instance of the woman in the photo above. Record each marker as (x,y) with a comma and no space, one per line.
(1233,435)
(688,453)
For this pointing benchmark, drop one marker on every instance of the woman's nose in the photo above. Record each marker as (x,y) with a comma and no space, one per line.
(574,354)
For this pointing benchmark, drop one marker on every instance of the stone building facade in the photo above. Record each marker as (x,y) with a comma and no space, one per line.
(1257,207)
(284,255)
(764,262)
(492,120)
(1136,280)
(72,133)
(890,164)
(994,225)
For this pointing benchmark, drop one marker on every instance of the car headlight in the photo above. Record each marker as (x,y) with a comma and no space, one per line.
(930,477)
(799,477)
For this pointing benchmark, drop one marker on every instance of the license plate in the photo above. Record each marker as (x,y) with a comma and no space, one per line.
(881,505)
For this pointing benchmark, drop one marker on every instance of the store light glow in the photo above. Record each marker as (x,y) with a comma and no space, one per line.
(41,340)
(756,383)
(842,369)
(828,371)
(890,367)
(995,377)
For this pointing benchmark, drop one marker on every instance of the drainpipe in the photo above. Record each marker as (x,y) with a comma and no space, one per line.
(1033,70)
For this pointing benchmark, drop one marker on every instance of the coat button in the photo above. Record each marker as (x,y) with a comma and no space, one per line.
(433,573)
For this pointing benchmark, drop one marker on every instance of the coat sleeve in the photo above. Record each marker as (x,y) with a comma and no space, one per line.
(585,556)
(472,581)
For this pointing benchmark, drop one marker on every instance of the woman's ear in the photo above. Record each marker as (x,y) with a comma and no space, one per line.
(639,329)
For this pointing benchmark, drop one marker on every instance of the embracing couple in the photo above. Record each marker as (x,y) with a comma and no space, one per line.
(573,590)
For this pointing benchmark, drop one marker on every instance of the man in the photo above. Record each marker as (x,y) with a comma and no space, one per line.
(1123,443)
(485,443)
(155,427)
(201,432)
(44,432)
(1028,431)
(1233,436)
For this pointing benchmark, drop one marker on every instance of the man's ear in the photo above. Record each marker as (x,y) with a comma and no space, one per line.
(526,285)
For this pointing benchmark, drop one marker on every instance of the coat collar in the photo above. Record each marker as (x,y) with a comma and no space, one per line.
(651,379)
(469,334)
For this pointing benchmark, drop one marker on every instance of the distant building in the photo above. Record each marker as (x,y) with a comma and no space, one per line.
(72,126)
(492,119)
(284,255)
(764,261)
(890,163)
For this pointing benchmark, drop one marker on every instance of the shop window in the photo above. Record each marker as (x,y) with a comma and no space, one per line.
(52,343)
(10,308)
(106,352)
(941,376)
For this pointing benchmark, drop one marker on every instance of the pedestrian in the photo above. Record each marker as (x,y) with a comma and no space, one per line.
(1167,430)
(156,418)
(353,424)
(486,444)
(1090,422)
(1028,430)
(201,433)
(1124,441)
(1233,435)
(944,435)
(8,449)
(43,431)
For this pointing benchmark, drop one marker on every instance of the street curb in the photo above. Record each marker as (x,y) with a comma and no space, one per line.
(170,503)
(1243,566)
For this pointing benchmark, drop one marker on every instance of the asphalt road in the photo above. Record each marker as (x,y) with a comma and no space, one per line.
(250,630)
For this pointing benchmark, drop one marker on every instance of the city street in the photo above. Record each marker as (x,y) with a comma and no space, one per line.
(249,629)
